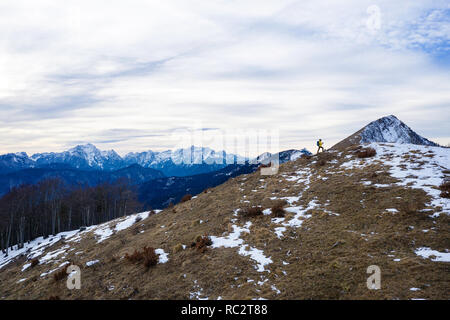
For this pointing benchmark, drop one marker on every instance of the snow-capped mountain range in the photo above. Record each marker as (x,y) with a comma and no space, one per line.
(387,129)
(180,162)
(81,157)
(183,162)
(15,161)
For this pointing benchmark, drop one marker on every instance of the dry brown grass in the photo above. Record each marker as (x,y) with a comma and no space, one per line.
(445,189)
(410,207)
(34,262)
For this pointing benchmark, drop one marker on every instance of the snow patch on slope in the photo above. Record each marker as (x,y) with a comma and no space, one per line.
(426,253)
(37,247)
(233,240)
(415,166)
(425,174)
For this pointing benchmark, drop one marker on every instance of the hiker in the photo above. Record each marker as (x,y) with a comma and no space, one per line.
(320,145)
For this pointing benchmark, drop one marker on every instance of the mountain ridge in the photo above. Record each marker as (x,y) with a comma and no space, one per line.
(179,162)
(386,129)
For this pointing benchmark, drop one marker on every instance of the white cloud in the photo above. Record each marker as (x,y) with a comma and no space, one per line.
(75,70)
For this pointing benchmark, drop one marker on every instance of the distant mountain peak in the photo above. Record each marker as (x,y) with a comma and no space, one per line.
(84,148)
(185,161)
(386,129)
(182,161)
(281,157)
(21,154)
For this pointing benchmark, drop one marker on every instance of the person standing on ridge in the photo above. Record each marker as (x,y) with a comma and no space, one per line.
(320,145)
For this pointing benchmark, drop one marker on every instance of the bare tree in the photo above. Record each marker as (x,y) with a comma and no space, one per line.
(49,207)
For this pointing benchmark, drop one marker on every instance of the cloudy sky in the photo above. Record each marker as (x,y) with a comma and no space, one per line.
(127,74)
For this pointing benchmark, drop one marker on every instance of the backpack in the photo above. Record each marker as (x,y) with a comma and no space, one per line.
(318,144)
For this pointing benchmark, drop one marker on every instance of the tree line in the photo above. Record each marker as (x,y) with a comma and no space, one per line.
(50,207)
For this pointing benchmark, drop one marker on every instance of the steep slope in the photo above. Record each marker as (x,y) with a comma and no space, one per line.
(386,129)
(342,215)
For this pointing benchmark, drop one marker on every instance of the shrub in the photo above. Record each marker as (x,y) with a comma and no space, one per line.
(366,153)
(323,158)
(148,256)
(34,262)
(445,189)
(134,257)
(60,274)
(202,242)
(251,211)
(195,223)
(172,207)
(278,210)
(54,298)
(177,248)
(186,197)
(355,147)
(410,207)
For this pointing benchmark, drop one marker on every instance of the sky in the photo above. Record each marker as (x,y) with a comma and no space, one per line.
(137,75)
